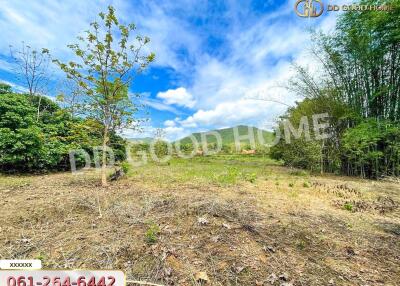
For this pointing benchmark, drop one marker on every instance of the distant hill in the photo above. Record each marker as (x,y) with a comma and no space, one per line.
(140,140)
(227,135)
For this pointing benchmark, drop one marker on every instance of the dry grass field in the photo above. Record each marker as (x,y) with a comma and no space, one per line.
(226,220)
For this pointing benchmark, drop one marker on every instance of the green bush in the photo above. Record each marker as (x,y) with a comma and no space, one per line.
(126,167)
(372,149)
(161,149)
(31,144)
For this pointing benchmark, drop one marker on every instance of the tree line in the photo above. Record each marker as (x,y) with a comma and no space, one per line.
(29,144)
(358,84)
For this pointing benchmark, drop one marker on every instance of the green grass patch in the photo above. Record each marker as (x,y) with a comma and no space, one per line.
(299,173)
(152,232)
(348,207)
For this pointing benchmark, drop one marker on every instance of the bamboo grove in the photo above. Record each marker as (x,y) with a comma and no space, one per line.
(358,84)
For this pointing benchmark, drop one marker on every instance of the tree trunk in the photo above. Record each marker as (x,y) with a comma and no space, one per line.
(104,158)
(322,157)
(38,108)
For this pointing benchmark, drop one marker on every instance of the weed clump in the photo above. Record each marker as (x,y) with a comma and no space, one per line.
(229,177)
(151,235)
(348,207)
(250,177)
(300,244)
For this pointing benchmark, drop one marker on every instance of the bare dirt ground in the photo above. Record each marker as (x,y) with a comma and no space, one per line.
(208,221)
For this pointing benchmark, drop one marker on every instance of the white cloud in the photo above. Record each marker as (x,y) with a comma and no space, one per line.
(7,66)
(40,23)
(147,101)
(234,113)
(174,133)
(179,96)
(155,104)
(169,35)
(169,123)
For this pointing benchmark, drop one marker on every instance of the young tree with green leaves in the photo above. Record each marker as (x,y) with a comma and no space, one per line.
(109,60)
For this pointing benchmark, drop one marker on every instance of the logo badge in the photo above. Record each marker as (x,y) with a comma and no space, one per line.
(309,8)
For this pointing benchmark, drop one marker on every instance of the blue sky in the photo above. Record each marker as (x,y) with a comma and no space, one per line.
(212,57)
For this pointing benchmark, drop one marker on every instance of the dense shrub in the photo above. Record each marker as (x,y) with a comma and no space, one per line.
(315,154)
(299,153)
(372,149)
(161,149)
(369,149)
(31,144)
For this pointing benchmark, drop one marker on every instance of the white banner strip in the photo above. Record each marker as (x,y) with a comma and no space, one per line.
(21,264)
